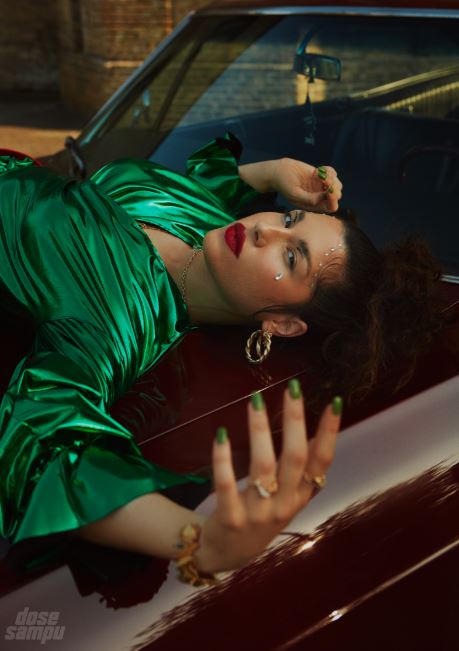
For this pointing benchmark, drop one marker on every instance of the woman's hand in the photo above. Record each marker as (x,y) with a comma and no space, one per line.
(303,185)
(306,186)
(243,523)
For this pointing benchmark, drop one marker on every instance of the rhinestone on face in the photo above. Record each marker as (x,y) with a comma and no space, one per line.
(326,254)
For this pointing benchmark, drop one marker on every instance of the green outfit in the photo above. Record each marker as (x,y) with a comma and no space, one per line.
(74,260)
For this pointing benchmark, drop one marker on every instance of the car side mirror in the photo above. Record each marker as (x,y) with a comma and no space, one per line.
(317,66)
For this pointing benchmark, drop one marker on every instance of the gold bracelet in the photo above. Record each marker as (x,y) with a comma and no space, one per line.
(187,572)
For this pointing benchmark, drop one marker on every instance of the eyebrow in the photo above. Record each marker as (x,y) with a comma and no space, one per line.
(304,248)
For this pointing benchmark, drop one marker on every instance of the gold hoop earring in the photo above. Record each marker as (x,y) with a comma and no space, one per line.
(262,341)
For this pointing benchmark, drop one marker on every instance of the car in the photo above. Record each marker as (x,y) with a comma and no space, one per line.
(371,88)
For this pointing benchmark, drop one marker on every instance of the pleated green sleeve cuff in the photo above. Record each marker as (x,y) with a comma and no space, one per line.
(216,167)
(9,164)
(65,461)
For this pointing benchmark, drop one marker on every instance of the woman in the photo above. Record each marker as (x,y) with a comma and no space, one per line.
(108,298)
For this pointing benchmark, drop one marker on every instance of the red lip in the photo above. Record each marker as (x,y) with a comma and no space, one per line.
(235,238)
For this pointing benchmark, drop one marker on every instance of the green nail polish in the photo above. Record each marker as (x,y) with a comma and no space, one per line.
(330,189)
(322,173)
(222,435)
(257,401)
(337,405)
(294,388)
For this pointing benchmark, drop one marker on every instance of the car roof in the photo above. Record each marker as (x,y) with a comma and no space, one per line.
(295,4)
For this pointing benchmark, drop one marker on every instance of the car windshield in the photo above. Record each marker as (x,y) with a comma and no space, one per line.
(376,97)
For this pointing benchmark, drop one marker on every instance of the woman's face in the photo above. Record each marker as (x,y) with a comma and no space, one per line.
(246,258)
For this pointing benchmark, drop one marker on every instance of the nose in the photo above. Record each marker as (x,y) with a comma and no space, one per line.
(266,233)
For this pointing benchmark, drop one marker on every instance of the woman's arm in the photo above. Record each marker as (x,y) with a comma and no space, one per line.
(243,522)
(260,176)
(149,524)
(302,184)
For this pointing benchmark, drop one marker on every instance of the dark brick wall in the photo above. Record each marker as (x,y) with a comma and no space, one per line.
(28,46)
(103,41)
(83,49)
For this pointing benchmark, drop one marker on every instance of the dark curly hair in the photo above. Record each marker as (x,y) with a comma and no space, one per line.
(386,306)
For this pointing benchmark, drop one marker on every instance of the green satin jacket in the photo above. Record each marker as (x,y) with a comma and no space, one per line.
(74,258)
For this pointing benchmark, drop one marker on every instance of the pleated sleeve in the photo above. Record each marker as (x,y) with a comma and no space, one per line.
(65,461)
(216,167)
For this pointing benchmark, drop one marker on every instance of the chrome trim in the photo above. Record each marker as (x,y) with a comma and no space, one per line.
(333,10)
(447,278)
(103,114)
(408,82)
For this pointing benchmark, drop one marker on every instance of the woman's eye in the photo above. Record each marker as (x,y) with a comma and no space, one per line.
(291,258)
(288,220)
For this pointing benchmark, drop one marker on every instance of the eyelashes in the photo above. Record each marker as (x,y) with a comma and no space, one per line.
(289,221)
(291,257)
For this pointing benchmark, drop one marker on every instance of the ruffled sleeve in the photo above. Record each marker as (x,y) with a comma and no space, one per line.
(10,164)
(216,167)
(65,462)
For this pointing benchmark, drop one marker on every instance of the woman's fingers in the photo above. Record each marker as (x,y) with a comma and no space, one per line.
(331,188)
(294,448)
(322,447)
(297,461)
(262,456)
(228,499)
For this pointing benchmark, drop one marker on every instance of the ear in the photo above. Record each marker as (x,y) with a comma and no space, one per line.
(288,326)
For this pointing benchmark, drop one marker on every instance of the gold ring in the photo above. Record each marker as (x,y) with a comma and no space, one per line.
(265,491)
(318,481)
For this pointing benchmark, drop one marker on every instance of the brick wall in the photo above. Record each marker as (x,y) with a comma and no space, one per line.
(180,8)
(28,46)
(103,41)
(84,48)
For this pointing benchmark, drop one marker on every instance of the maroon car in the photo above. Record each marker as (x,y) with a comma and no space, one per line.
(371,88)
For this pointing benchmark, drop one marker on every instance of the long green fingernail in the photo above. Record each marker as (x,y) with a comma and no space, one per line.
(257,401)
(294,388)
(330,189)
(337,405)
(222,434)
(322,173)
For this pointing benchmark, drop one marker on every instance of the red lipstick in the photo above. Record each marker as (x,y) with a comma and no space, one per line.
(235,238)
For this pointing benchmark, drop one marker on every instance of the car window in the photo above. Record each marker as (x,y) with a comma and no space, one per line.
(386,116)
(372,54)
(178,81)
(223,68)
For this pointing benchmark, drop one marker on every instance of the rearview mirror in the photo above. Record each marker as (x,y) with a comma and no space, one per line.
(317,66)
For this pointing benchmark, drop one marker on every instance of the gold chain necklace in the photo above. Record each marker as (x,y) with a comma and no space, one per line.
(196,250)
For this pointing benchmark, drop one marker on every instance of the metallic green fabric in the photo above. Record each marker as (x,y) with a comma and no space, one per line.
(76,262)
